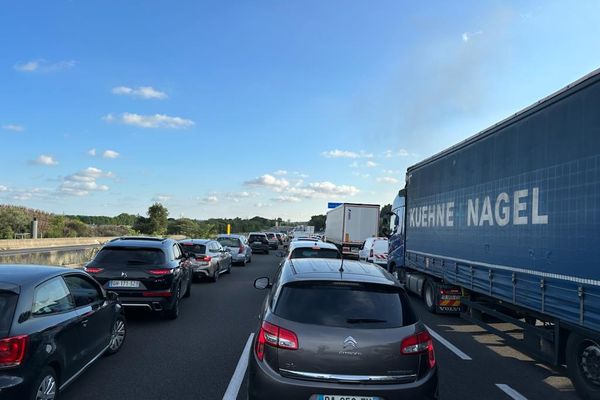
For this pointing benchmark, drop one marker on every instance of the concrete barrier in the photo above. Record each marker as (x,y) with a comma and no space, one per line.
(14,244)
(57,257)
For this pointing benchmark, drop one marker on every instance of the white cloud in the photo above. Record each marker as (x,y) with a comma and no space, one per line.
(345,154)
(278,184)
(330,188)
(361,175)
(44,159)
(161,198)
(84,182)
(150,121)
(399,153)
(210,200)
(42,65)
(287,199)
(371,164)
(387,179)
(13,127)
(261,205)
(280,172)
(3,188)
(110,154)
(144,92)
(390,171)
(466,36)
(92,152)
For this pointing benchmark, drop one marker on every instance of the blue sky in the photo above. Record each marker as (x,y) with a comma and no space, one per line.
(273,108)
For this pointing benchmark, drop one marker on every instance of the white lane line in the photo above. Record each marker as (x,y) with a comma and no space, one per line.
(240,372)
(510,391)
(449,345)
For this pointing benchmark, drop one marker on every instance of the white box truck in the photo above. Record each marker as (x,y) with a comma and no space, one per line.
(348,225)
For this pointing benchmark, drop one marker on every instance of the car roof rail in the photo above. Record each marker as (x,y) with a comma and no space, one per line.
(152,238)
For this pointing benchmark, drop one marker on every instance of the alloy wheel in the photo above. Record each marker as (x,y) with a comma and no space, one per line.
(47,389)
(118,335)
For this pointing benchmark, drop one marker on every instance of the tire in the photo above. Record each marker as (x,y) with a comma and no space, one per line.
(117,336)
(215,277)
(250,260)
(429,296)
(188,290)
(581,351)
(47,382)
(173,312)
(228,270)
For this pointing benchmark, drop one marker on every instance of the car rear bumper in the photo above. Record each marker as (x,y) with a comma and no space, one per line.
(13,387)
(238,257)
(266,384)
(262,247)
(148,303)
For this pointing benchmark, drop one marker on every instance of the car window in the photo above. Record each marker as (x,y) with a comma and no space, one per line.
(118,257)
(381,245)
(344,304)
(83,290)
(194,248)
(8,302)
(307,252)
(176,252)
(52,297)
(229,241)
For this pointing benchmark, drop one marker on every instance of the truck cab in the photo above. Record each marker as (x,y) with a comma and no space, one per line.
(397,233)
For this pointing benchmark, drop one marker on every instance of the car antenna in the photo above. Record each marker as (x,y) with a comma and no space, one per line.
(342,266)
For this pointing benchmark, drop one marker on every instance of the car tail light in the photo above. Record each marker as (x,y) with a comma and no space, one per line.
(93,270)
(157,294)
(241,249)
(161,271)
(12,350)
(274,336)
(204,258)
(418,344)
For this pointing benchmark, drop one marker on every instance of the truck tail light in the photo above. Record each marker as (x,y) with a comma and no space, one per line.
(12,350)
(418,344)
(274,336)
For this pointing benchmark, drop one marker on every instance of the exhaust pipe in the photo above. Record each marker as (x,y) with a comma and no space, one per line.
(157,306)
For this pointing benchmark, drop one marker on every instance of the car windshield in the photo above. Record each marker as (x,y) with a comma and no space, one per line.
(344,304)
(230,242)
(8,301)
(308,252)
(194,248)
(116,257)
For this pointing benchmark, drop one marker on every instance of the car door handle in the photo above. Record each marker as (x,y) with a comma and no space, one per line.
(84,323)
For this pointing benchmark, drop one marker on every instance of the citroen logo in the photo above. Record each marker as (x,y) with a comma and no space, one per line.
(350,343)
(123,275)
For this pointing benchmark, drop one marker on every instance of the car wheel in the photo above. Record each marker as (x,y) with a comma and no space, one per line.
(228,270)
(46,386)
(117,335)
(429,296)
(215,276)
(583,357)
(173,312)
(188,290)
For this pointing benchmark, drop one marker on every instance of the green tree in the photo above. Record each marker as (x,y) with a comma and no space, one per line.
(76,228)
(318,221)
(142,225)
(13,220)
(384,220)
(157,218)
(56,227)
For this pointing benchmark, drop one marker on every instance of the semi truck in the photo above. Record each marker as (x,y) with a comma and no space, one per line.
(506,226)
(349,224)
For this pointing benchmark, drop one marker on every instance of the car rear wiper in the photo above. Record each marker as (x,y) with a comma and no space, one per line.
(365,321)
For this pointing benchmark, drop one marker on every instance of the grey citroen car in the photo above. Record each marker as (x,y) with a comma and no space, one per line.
(335,329)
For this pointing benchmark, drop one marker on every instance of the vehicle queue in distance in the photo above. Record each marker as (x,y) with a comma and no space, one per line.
(44,311)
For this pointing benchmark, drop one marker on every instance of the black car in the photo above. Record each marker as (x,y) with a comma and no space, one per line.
(259,242)
(150,273)
(54,323)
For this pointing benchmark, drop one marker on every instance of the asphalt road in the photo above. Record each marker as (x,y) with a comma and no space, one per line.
(195,356)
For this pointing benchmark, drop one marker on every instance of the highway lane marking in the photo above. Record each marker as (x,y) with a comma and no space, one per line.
(510,391)
(449,346)
(240,371)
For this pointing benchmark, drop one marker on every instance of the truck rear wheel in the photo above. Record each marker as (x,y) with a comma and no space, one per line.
(583,364)
(429,296)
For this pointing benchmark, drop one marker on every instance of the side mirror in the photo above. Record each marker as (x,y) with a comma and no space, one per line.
(262,283)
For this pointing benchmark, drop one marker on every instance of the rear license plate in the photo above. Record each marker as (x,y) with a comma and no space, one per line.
(345,397)
(124,284)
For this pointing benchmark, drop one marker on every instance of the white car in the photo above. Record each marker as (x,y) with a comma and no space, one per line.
(374,250)
(312,249)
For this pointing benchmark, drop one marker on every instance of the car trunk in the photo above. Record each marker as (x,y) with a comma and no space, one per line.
(351,330)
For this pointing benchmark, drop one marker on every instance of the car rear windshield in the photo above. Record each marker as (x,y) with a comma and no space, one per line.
(257,238)
(8,301)
(270,235)
(381,245)
(194,248)
(308,252)
(345,304)
(129,256)
(229,242)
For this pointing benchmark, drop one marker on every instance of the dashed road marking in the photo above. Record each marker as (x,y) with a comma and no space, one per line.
(510,391)
(449,346)
(240,371)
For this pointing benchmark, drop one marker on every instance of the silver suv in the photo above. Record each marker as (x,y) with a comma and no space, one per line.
(334,329)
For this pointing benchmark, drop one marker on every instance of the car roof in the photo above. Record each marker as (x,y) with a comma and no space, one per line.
(21,274)
(326,269)
(195,241)
(258,233)
(310,244)
(224,235)
(133,241)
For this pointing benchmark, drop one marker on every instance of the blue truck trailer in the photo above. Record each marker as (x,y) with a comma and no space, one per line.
(507,224)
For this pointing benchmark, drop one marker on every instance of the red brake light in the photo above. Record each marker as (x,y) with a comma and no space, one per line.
(274,336)
(204,258)
(12,350)
(93,270)
(157,294)
(161,271)
(418,344)
(241,249)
